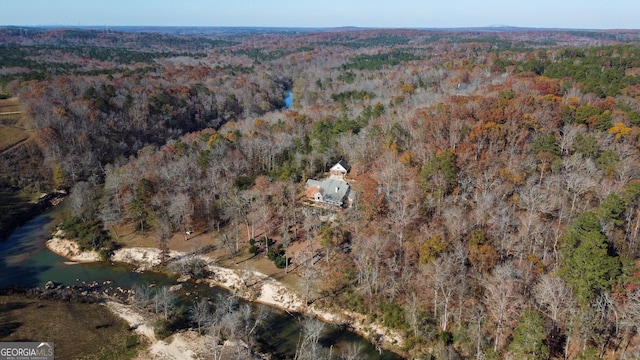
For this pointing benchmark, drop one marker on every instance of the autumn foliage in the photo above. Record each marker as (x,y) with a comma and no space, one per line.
(497,186)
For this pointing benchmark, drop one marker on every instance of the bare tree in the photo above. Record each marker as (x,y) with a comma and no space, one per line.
(567,138)
(631,310)
(252,321)
(456,222)
(403,204)
(411,311)
(286,240)
(217,346)
(309,347)
(503,299)
(142,295)
(200,313)
(163,232)
(82,201)
(478,317)
(180,212)
(308,282)
(582,327)
(630,319)
(109,215)
(165,302)
(445,273)
(553,294)
(579,183)
(368,260)
(353,351)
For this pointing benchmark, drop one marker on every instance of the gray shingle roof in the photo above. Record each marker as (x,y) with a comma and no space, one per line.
(333,190)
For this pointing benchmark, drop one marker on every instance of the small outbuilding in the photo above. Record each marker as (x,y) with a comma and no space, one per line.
(340,169)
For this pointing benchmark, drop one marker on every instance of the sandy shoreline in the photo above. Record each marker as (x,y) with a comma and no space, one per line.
(70,249)
(184,345)
(247,284)
(143,258)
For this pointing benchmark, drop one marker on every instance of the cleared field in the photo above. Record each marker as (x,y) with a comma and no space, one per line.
(10,137)
(12,125)
(10,114)
(78,330)
(7,105)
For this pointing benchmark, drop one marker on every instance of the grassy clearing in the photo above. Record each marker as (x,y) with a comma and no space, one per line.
(10,113)
(13,124)
(78,330)
(9,105)
(10,136)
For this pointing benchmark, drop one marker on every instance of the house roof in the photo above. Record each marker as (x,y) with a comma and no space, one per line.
(333,190)
(341,166)
(312,190)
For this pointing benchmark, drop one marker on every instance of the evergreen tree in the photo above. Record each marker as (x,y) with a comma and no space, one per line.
(439,174)
(529,337)
(588,265)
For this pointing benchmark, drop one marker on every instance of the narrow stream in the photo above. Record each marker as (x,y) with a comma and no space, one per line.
(288,100)
(26,262)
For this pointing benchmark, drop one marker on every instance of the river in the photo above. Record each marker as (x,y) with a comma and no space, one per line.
(26,262)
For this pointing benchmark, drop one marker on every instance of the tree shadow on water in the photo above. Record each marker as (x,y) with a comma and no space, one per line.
(23,275)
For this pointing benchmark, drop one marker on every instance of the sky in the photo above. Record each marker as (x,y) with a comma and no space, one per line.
(575,14)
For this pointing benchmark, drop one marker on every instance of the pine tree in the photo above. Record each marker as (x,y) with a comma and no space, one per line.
(587,264)
(529,337)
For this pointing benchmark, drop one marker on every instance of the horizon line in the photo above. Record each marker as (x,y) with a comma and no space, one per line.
(488,27)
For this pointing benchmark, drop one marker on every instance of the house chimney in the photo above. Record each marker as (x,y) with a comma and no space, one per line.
(337,188)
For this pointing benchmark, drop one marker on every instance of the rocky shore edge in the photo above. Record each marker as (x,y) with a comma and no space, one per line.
(247,284)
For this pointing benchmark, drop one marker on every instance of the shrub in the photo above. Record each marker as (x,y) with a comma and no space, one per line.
(445,337)
(90,234)
(253,249)
(162,328)
(281,261)
(393,316)
(274,252)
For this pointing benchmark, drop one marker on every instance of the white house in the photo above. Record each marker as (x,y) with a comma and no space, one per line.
(340,169)
(334,191)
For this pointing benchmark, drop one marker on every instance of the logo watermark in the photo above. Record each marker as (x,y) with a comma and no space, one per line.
(26,351)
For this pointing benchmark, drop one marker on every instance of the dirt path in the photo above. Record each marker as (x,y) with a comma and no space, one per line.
(13,146)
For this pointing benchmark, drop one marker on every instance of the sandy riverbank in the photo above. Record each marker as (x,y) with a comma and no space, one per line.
(142,258)
(255,286)
(247,284)
(70,249)
(184,345)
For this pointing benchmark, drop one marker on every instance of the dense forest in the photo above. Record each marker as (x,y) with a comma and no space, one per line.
(498,179)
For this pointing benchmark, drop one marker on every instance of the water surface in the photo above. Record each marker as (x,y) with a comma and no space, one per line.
(288,101)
